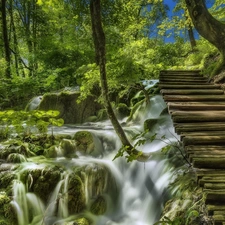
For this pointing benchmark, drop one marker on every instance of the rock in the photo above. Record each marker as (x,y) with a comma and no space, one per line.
(80,221)
(66,103)
(7,213)
(76,194)
(150,123)
(68,148)
(87,143)
(50,152)
(122,110)
(99,206)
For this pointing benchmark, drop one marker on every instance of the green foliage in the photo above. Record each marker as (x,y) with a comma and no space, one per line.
(22,122)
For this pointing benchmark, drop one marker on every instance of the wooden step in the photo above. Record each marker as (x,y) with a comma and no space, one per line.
(183,79)
(191,92)
(204,140)
(188,106)
(199,126)
(198,116)
(179,72)
(209,163)
(193,98)
(202,133)
(188,86)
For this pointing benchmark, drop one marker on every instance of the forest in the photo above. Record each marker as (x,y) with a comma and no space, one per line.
(100,53)
(48,45)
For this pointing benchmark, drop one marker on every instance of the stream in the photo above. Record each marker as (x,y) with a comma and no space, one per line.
(135,192)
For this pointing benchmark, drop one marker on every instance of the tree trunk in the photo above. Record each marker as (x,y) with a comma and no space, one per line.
(208,27)
(191,37)
(99,42)
(5,38)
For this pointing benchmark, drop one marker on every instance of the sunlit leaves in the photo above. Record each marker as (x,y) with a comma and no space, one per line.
(21,121)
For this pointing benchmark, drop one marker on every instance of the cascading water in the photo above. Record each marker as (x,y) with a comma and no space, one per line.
(135,192)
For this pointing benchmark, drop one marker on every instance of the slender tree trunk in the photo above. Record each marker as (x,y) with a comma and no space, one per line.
(5,38)
(99,42)
(191,37)
(208,27)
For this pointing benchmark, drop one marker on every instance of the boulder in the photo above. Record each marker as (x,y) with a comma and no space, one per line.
(88,144)
(70,110)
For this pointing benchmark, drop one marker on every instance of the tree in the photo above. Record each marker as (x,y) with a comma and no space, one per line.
(5,37)
(209,28)
(99,42)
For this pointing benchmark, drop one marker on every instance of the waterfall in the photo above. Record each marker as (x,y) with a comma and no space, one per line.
(135,192)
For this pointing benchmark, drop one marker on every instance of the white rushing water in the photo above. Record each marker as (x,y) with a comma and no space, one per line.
(141,186)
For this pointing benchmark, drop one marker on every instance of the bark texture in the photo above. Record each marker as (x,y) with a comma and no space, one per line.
(208,27)
(5,37)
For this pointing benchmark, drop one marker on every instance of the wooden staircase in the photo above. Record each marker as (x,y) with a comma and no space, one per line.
(197,109)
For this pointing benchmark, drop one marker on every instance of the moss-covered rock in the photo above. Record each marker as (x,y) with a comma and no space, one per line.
(150,123)
(102,115)
(66,103)
(41,181)
(7,213)
(50,152)
(87,143)
(80,221)
(76,194)
(122,110)
(99,206)
(68,148)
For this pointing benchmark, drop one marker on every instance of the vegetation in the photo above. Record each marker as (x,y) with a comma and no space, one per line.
(48,45)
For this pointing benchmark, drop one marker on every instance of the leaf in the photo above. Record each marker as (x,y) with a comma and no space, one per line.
(56,122)
(52,113)
(153,137)
(120,152)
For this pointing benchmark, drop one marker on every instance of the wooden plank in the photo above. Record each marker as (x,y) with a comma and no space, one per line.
(193,72)
(215,185)
(183,79)
(193,98)
(191,106)
(187,86)
(209,163)
(209,172)
(213,196)
(191,92)
(204,140)
(198,116)
(215,207)
(187,82)
(161,76)
(205,148)
(202,126)
(202,133)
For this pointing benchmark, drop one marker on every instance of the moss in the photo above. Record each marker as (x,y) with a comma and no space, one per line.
(50,152)
(150,123)
(123,110)
(68,148)
(102,115)
(43,181)
(7,214)
(99,206)
(84,141)
(76,194)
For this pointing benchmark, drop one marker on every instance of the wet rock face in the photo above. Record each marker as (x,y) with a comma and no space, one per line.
(7,214)
(76,194)
(99,206)
(88,144)
(66,103)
